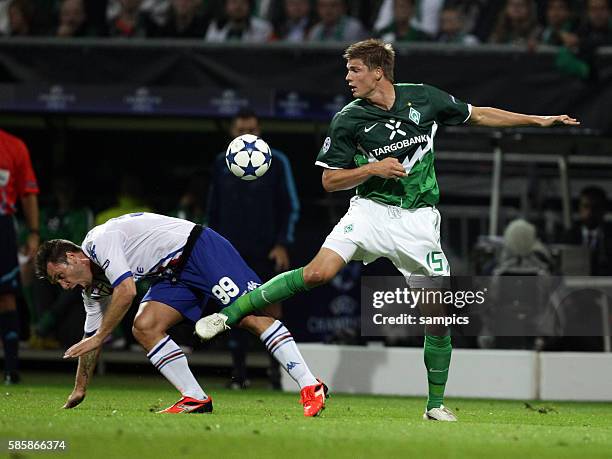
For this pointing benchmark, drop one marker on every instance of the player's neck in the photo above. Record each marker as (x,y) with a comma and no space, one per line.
(383,96)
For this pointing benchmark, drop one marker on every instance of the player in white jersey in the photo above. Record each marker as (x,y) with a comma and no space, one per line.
(188,264)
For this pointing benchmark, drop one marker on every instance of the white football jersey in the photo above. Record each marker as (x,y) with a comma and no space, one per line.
(133,245)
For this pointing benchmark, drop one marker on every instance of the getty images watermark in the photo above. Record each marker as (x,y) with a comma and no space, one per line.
(535,306)
(432,301)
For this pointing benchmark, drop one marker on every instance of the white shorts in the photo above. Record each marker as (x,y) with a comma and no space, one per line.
(410,238)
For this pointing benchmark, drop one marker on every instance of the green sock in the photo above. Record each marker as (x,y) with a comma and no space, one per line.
(438,351)
(277,289)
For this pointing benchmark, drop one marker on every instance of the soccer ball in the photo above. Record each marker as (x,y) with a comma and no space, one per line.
(248,157)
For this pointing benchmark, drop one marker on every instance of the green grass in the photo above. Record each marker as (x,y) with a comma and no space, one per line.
(116,420)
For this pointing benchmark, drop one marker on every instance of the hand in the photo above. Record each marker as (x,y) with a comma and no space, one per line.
(74,399)
(84,346)
(547,121)
(387,168)
(280,256)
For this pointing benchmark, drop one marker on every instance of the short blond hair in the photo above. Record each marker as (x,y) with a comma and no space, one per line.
(374,53)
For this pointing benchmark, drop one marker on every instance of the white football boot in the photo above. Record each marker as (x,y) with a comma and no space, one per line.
(210,326)
(440,414)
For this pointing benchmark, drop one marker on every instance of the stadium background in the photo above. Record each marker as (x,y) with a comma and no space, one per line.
(98,110)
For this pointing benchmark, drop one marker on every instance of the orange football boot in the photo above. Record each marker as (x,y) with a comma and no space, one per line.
(190,405)
(313,398)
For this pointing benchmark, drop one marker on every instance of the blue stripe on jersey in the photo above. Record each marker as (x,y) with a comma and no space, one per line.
(161,262)
(91,333)
(156,350)
(293,196)
(122,278)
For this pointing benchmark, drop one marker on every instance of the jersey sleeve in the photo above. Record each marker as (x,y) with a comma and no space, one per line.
(94,311)
(25,179)
(339,146)
(106,250)
(448,110)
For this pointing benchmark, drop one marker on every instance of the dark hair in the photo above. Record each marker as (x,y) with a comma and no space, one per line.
(596,195)
(245,113)
(53,251)
(374,53)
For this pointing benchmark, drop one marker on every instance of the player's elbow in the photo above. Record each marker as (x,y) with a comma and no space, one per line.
(327,180)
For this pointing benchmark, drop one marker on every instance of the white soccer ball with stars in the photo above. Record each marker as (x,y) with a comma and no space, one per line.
(248,157)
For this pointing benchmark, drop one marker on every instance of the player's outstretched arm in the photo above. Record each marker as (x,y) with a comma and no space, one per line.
(121,300)
(84,373)
(495,117)
(345,179)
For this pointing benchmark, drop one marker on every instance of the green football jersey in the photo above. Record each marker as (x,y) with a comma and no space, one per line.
(362,133)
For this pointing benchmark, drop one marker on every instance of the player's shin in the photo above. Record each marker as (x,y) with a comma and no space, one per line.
(170,360)
(9,332)
(281,345)
(437,356)
(276,290)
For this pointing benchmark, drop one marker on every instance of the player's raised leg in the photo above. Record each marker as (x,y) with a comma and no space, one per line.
(280,344)
(150,326)
(320,270)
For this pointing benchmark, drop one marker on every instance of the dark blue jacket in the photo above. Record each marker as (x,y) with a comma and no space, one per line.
(254,215)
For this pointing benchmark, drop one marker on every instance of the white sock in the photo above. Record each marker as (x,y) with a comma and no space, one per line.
(168,358)
(279,342)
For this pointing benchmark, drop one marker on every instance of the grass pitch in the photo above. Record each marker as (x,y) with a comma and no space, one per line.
(117,420)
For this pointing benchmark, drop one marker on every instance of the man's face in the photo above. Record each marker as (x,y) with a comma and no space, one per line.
(330,11)
(590,211)
(517,10)
(361,80)
(557,13)
(450,22)
(297,9)
(185,7)
(237,10)
(403,10)
(598,13)
(72,13)
(76,271)
(242,126)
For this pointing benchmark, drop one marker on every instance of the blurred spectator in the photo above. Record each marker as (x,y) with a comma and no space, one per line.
(17,181)
(335,24)
(516,24)
(269,211)
(20,17)
(56,307)
(191,205)
(559,23)
(452,28)
(131,21)
(157,10)
(73,20)
(129,200)
(597,30)
(425,17)
(184,20)
(592,231)
(401,29)
(238,24)
(296,22)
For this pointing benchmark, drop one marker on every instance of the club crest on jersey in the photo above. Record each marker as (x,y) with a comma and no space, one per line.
(414,116)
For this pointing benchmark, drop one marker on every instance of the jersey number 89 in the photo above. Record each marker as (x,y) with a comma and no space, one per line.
(225,290)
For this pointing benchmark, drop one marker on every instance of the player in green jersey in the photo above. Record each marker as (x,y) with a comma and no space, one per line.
(382,144)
